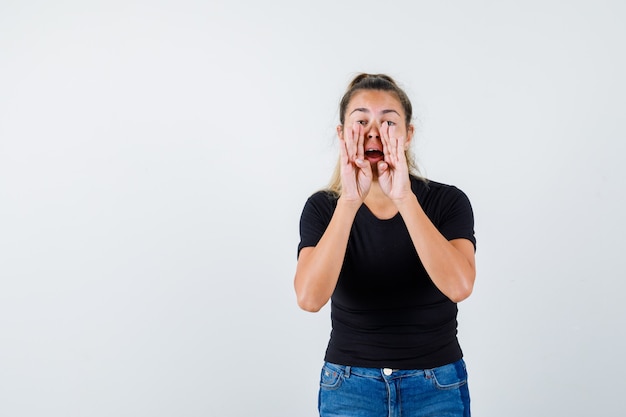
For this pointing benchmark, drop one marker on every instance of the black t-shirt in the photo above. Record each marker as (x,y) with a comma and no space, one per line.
(385,310)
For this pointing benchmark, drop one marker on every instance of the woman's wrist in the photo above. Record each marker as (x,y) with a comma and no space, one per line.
(349,204)
(407,204)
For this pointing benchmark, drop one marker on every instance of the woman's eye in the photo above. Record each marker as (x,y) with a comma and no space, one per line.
(390,123)
(362,122)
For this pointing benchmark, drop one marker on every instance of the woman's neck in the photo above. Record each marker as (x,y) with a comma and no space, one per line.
(379,204)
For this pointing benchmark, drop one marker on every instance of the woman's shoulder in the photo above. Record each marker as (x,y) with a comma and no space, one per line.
(429,189)
(426,184)
(319,208)
(324,196)
(322,200)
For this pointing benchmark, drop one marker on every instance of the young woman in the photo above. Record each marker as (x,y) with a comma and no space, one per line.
(394,253)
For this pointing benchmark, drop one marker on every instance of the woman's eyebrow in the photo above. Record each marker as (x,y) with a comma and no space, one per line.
(364,110)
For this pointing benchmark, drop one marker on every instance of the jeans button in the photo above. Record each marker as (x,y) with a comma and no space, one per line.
(387,371)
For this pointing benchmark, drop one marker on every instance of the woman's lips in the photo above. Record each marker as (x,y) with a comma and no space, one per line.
(374,155)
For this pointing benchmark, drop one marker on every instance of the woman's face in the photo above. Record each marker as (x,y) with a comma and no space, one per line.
(372,112)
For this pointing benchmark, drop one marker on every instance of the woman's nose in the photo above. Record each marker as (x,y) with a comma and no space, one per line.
(373,133)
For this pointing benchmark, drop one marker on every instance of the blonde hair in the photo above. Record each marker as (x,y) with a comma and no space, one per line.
(374,82)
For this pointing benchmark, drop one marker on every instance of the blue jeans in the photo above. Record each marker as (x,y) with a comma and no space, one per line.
(373,392)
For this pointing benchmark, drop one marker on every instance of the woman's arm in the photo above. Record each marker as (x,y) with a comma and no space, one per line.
(318,266)
(450,264)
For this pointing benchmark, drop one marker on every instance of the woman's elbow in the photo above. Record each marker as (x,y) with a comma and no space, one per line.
(310,304)
(309,307)
(462,291)
(460,295)
(309,297)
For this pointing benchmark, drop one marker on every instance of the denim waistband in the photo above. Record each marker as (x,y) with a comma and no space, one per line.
(387,373)
(347,370)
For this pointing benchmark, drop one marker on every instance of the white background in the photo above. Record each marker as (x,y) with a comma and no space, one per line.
(155,157)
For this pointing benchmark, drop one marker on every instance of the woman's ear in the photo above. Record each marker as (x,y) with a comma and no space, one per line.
(409,134)
(340,131)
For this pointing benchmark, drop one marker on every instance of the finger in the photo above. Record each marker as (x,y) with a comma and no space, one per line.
(392,145)
(360,151)
(401,148)
(348,142)
(354,139)
(343,152)
(384,136)
(364,166)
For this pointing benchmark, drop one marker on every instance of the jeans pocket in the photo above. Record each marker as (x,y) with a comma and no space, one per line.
(332,376)
(450,376)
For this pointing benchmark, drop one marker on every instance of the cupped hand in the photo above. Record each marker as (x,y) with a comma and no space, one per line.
(356,172)
(393,171)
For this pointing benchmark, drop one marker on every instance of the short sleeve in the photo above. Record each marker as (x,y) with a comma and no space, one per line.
(315,218)
(457,219)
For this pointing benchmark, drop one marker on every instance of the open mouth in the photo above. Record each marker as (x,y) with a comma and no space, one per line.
(374,153)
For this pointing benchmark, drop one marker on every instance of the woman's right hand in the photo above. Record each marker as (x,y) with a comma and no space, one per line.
(356,172)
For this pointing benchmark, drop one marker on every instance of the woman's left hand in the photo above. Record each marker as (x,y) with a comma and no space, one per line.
(393,171)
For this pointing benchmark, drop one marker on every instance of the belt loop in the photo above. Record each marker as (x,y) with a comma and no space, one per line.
(347,372)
